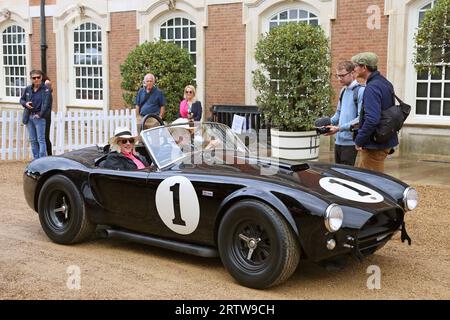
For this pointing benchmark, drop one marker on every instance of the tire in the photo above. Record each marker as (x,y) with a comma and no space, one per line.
(62,211)
(276,254)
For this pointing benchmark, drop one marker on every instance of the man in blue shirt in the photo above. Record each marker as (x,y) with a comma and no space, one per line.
(378,96)
(150,100)
(347,114)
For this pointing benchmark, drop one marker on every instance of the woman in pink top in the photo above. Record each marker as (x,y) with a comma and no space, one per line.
(123,155)
(190,107)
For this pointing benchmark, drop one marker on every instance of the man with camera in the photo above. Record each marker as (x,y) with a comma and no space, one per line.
(347,114)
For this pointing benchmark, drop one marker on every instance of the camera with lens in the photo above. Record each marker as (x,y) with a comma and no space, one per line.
(322,130)
(321,125)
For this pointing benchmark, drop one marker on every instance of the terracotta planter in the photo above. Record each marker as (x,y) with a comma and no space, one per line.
(303,145)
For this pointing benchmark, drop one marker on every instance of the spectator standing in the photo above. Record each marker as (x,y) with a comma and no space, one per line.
(378,96)
(150,100)
(347,114)
(190,107)
(37,101)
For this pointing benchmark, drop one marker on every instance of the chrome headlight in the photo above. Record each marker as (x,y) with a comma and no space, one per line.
(334,216)
(410,198)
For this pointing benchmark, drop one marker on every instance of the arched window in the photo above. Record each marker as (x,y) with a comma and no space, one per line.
(182,32)
(293,15)
(87,62)
(13,60)
(433,89)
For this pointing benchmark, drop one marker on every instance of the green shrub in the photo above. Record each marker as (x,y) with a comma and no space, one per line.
(293,78)
(432,36)
(171,66)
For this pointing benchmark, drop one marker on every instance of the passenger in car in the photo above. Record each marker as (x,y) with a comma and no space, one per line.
(123,155)
(182,133)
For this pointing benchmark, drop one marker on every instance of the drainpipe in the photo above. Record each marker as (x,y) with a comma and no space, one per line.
(43,39)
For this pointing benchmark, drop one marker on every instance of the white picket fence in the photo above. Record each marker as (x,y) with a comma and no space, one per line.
(68,131)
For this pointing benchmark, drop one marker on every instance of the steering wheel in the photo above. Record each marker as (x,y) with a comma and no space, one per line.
(152,115)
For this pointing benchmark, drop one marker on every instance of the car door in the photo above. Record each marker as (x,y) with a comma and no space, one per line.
(184,203)
(122,194)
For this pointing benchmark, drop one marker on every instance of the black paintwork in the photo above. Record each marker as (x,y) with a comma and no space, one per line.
(125,199)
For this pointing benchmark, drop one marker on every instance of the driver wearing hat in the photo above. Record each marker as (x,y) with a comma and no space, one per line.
(124,155)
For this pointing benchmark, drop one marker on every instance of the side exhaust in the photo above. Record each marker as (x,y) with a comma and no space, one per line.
(193,249)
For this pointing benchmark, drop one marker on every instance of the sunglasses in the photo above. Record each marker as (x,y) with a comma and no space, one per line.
(35,78)
(188,91)
(124,141)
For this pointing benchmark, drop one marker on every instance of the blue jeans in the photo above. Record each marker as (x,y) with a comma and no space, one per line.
(36,132)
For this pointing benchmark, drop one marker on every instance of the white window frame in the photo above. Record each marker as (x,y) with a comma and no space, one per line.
(182,16)
(199,65)
(72,76)
(65,20)
(411,73)
(3,27)
(269,20)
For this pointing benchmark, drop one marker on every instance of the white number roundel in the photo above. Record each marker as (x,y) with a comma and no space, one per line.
(350,190)
(177,204)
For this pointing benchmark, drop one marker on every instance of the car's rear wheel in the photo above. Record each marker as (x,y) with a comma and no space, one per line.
(256,245)
(62,211)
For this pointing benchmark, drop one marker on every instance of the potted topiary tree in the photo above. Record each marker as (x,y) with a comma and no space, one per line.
(294,87)
(170,64)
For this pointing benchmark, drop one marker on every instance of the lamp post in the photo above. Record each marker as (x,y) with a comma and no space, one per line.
(43,39)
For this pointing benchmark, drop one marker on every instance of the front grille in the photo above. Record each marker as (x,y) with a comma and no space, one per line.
(378,230)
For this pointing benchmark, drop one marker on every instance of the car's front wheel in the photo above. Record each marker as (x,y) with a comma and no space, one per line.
(62,211)
(256,245)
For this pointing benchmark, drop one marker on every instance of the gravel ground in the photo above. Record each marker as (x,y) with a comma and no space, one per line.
(32,267)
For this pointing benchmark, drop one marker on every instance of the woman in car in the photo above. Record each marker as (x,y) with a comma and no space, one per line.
(123,155)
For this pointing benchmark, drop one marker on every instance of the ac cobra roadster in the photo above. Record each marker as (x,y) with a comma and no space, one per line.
(211,197)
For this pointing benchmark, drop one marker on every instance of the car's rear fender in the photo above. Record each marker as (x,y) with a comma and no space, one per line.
(43,168)
(263,196)
(47,175)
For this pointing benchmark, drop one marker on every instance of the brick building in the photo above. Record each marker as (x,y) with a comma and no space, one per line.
(89,39)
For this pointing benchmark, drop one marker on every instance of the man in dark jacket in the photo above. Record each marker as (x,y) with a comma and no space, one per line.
(378,96)
(37,102)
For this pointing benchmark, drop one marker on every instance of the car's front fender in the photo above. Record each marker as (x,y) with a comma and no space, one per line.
(262,195)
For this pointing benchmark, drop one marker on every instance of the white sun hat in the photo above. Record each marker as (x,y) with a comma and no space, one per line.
(121,133)
(182,123)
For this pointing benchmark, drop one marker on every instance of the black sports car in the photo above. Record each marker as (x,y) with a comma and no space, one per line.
(206,195)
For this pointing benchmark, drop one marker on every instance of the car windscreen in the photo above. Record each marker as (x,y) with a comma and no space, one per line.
(171,143)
